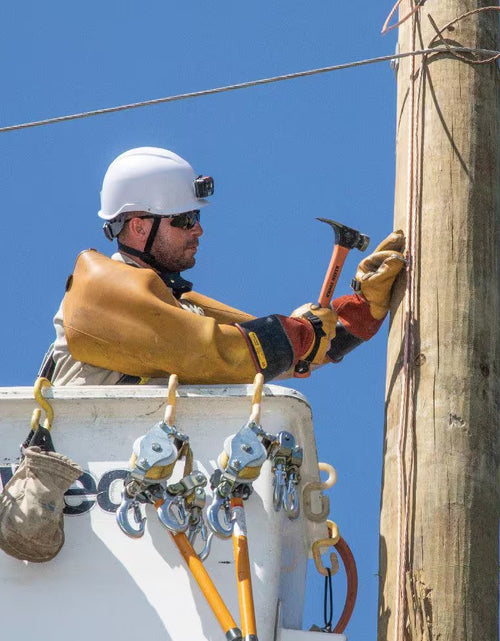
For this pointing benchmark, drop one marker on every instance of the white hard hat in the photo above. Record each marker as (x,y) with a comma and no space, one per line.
(153,180)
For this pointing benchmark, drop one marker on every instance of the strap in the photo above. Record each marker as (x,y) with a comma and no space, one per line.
(40,437)
(152,234)
(176,283)
(128,379)
(303,365)
(48,365)
(172,280)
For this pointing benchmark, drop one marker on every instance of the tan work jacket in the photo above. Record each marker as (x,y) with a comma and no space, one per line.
(70,371)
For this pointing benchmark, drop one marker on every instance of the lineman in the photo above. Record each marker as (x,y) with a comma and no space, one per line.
(134,317)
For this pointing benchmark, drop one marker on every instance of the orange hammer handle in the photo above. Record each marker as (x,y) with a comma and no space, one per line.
(242,565)
(206,584)
(332,275)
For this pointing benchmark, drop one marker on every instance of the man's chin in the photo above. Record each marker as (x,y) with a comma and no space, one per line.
(180,265)
(187,264)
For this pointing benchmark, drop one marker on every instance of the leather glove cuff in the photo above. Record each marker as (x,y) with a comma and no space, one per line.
(355,325)
(277,342)
(354,314)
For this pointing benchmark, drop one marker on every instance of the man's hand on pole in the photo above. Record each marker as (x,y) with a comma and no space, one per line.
(377,272)
(361,314)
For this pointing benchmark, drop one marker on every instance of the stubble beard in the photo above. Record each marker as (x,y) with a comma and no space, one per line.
(176,263)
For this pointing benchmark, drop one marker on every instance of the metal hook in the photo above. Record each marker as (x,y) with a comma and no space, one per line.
(41,383)
(206,537)
(213,516)
(320,544)
(291,498)
(122,516)
(172,513)
(279,486)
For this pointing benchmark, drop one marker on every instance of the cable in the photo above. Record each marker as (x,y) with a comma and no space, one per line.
(244,85)
(439,34)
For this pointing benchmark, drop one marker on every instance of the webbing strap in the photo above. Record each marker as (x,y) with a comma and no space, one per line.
(303,365)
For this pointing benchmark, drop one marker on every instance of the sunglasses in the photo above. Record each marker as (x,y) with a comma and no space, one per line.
(187,220)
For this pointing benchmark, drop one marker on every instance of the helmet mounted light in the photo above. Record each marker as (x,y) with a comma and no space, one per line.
(203,186)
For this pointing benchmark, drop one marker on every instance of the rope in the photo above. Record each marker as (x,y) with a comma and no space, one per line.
(245,85)
(386,28)
(407,412)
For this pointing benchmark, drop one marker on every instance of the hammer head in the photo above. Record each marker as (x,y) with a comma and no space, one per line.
(346,236)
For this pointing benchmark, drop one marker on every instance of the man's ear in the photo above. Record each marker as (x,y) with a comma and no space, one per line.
(138,227)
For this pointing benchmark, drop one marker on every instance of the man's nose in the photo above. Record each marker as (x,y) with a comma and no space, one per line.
(197,230)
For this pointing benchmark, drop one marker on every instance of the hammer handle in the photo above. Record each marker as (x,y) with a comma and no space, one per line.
(332,275)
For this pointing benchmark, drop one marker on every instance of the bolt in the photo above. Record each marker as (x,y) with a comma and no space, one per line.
(236,464)
(156,447)
(247,448)
(143,462)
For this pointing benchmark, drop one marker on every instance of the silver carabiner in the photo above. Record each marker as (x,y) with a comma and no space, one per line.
(122,516)
(206,536)
(279,486)
(222,530)
(291,498)
(172,513)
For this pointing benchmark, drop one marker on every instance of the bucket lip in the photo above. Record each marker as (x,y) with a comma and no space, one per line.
(14,399)
(146,391)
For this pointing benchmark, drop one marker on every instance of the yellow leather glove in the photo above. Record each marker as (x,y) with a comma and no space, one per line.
(377,272)
(323,320)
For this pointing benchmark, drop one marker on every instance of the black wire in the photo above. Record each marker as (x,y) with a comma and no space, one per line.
(328,602)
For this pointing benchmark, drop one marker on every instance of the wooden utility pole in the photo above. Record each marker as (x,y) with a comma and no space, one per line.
(440,497)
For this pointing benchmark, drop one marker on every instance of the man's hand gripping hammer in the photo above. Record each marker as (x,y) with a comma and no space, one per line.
(346,239)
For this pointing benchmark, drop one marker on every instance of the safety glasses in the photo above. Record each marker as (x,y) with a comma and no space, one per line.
(187,220)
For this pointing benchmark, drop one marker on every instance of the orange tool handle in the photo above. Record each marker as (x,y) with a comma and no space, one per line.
(332,275)
(210,592)
(243,576)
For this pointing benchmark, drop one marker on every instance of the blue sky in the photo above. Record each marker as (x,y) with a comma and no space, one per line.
(280,154)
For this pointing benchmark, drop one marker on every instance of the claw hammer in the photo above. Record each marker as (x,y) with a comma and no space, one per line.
(346,239)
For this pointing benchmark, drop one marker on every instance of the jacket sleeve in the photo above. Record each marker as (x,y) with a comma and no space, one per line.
(214,309)
(124,318)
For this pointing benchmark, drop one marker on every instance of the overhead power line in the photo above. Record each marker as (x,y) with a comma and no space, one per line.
(245,85)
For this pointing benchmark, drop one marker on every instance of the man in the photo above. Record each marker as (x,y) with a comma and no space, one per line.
(134,318)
